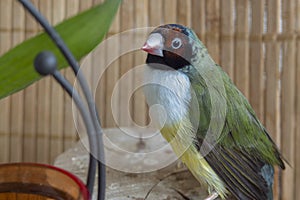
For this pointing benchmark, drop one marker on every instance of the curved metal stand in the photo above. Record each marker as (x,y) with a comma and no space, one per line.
(44,63)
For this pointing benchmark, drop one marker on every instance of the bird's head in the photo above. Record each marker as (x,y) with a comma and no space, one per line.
(170,45)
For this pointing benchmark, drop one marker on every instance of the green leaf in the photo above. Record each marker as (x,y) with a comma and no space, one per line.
(82,33)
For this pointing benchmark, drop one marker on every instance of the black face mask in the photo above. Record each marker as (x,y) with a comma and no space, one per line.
(170,60)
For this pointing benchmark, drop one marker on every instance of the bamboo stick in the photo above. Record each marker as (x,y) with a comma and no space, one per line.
(43,120)
(98,77)
(227,33)
(140,109)
(96,2)
(112,75)
(126,63)
(288,100)
(241,62)
(169,11)
(184,12)
(84,5)
(297,133)
(87,61)
(256,58)
(272,101)
(155,13)
(57,94)
(69,135)
(99,80)
(44,105)
(297,99)
(5,45)
(17,104)
(30,100)
(198,18)
(213,28)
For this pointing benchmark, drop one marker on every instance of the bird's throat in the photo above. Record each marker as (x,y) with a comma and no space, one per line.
(168,61)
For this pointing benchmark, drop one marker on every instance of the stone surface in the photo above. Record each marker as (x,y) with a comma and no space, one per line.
(171,182)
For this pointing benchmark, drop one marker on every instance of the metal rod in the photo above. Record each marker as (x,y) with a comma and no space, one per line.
(84,86)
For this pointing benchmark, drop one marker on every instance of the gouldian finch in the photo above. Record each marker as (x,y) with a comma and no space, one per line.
(209,122)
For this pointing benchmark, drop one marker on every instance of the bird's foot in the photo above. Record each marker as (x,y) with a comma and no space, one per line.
(212,196)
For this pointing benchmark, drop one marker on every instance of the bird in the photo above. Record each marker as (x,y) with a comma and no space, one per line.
(209,123)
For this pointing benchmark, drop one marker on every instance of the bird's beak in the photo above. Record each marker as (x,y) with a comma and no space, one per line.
(152,50)
(154,45)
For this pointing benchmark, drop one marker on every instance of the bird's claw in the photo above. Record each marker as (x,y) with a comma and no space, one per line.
(213,196)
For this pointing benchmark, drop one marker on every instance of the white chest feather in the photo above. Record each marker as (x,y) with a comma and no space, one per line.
(170,90)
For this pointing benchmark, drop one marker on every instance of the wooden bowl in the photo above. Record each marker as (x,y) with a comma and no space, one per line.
(39,182)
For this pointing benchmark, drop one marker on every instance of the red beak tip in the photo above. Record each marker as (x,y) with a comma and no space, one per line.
(145,47)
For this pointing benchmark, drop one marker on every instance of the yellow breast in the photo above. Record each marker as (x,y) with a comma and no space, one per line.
(181,137)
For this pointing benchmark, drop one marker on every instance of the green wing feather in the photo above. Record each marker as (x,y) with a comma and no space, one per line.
(243,147)
(241,129)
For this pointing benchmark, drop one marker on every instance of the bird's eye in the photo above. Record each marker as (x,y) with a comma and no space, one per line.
(176,43)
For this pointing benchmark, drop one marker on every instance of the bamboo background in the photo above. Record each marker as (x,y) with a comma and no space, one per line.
(256,42)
